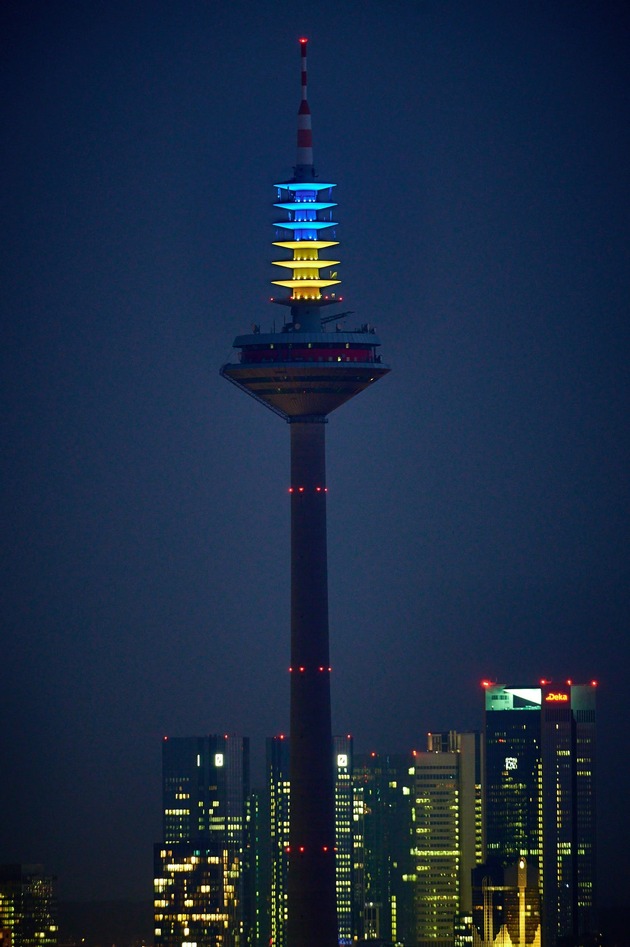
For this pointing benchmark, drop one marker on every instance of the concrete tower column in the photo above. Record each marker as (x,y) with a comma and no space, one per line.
(312,920)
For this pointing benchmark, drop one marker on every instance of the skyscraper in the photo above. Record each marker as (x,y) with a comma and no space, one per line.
(197,895)
(383,794)
(344,836)
(278,774)
(205,788)
(303,373)
(202,872)
(278,784)
(446,841)
(540,797)
(28,907)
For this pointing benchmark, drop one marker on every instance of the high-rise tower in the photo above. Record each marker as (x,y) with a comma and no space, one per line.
(447,836)
(28,907)
(539,789)
(202,868)
(303,373)
(278,768)
(383,793)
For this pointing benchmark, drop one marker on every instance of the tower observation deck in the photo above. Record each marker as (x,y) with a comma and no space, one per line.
(302,373)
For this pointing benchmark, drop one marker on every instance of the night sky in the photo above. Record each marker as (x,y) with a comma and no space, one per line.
(478,496)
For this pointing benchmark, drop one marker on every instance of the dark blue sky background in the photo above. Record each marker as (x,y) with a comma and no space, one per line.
(478,496)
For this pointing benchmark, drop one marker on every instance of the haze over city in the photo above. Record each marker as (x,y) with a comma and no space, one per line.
(478,499)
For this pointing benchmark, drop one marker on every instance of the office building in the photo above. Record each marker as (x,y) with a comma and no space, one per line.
(447,836)
(203,871)
(28,907)
(258,866)
(383,865)
(196,895)
(279,785)
(205,788)
(539,804)
(344,836)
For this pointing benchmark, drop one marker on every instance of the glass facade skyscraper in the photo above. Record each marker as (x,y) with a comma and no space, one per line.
(446,836)
(344,836)
(28,907)
(205,786)
(383,879)
(202,873)
(196,895)
(540,797)
(278,763)
(278,786)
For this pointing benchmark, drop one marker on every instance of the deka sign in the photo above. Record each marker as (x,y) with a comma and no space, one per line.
(556,695)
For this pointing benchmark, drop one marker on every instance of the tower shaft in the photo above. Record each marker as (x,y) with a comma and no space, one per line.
(312,916)
(303,373)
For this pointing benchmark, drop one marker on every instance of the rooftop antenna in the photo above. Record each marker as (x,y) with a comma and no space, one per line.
(304,169)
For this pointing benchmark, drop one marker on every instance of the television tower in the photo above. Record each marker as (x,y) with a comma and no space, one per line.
(302,373)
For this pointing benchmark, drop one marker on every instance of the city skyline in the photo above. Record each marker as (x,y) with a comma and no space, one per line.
(416,834)
(478,504)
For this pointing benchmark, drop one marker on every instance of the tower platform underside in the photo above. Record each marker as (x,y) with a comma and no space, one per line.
(305,374)
(299,390)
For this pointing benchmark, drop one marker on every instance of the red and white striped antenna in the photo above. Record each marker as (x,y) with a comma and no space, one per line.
(304,132)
